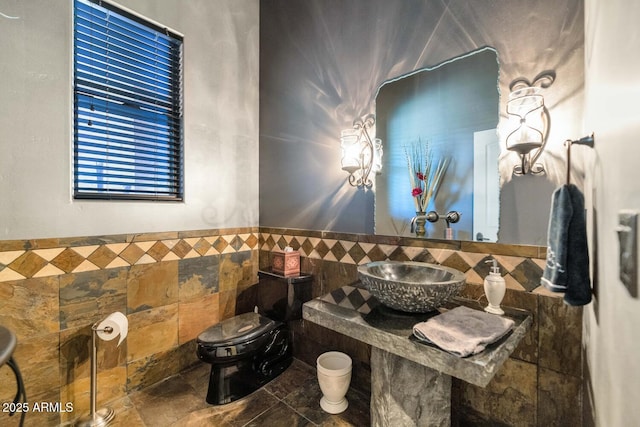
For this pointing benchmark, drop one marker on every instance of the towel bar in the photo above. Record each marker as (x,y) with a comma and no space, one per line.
(586,140)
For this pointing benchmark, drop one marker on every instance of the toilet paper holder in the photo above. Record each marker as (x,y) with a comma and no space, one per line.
(103,416)
(107,329)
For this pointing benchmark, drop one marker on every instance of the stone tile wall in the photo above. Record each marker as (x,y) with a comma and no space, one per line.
(171,286)
(539,385)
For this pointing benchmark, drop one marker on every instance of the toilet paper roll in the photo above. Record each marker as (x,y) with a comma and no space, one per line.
(119,324)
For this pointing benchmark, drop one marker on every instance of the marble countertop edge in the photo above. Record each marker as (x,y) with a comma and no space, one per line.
(478,369)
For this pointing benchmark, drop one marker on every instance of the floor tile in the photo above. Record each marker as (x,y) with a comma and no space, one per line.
(306,401)
(197,377)
(126,414)
(358,413)
(234,414)
(280,415)
(166,402)
(291,400)
(290,380)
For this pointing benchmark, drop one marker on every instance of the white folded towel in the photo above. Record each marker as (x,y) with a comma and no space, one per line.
(463,331)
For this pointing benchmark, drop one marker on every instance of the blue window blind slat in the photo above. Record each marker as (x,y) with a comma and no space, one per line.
(121,177)
(141,145)
(116,91)
(125,112)
(122,180)
(129,45)
(125,52)
(99,42)
(96,62)
(128,170)
(98,123)
(151,182)
(100,17)
(128,106)
(127,153)
(124,155)
(159,86)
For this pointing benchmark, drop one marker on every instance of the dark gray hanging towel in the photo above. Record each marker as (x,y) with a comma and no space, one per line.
(567,265)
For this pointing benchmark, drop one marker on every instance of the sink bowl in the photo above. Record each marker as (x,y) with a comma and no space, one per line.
(415,287)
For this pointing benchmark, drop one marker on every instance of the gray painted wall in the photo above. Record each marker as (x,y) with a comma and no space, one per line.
(220,112)
(322,62)
(612,322)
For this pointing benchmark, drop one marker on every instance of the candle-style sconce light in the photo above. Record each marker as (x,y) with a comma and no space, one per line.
(532,121)
(361,155)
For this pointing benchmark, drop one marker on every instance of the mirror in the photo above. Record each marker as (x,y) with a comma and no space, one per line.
(454,108)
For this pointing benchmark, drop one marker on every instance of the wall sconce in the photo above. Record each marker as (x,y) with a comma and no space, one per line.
(526,107)
(360,154)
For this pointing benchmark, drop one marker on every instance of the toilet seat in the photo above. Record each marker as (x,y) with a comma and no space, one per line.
(235,337)
(237,329)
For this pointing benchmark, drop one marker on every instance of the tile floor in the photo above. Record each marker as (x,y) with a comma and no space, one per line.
(290,400)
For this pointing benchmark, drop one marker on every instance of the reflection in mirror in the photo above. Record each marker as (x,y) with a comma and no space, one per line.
(454,107)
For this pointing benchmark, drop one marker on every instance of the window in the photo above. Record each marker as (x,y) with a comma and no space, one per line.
(127,106)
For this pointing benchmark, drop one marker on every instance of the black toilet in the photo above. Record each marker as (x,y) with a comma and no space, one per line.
(249,350)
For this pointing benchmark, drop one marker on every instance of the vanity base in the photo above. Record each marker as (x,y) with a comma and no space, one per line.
(410,381)
(404,393)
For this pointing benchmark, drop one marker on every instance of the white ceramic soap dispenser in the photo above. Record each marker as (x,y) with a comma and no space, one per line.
(494,288)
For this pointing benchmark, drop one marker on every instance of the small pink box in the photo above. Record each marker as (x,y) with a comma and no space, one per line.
(286,263)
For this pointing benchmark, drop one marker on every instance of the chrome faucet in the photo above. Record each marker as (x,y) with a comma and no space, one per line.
(431,216)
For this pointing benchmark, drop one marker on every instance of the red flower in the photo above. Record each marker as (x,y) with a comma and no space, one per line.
(416,192)
(420,176)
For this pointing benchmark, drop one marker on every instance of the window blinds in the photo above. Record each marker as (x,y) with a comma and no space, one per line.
(127,106)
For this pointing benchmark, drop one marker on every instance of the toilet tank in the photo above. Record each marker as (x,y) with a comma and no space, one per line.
(276,296)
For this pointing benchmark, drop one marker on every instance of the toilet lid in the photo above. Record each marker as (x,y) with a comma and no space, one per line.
(243,327)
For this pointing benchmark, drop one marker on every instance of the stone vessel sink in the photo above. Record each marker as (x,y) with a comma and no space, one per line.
(415,287)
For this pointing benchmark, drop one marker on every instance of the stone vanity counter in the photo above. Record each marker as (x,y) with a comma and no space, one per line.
(410,380)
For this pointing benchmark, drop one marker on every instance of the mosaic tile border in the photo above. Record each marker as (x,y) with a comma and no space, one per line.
(522,266)
(351,298)
(42,258)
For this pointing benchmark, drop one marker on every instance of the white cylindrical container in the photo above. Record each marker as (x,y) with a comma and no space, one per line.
(334,377)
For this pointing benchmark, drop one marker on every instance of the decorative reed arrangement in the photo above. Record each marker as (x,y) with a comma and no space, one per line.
(424,174)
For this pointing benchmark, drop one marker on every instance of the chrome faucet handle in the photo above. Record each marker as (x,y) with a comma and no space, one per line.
(432,216)
(453,217)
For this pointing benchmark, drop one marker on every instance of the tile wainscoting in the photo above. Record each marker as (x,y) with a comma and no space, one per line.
(521,265)
(539,385)
(172,285)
